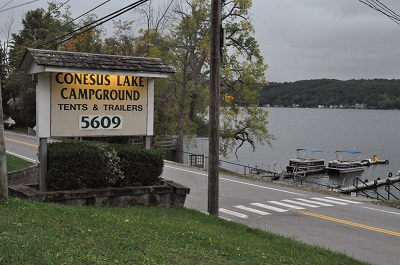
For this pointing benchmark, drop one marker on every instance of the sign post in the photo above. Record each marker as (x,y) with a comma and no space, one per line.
(42,164)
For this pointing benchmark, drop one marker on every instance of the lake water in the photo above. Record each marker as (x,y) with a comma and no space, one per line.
(373,132)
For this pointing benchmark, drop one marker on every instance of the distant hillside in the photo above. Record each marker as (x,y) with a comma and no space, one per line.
(373,94)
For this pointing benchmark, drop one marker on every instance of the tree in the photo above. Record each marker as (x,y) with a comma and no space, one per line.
(123,41)
(147,41)
(190,57)
(85,40)
(242,73)
(181,103)
(243,77)
(39,27)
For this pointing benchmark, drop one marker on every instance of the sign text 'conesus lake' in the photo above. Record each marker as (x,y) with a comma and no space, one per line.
(119,89)
(96,102)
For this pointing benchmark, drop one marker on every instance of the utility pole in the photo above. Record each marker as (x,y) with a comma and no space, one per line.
(215,60)
(3,167)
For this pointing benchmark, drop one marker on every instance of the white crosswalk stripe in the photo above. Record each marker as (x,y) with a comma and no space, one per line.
(330,201)
(240,215)
(343,200)
(287,205)
(251,210)
(314,202)
(301,203)
(272,208)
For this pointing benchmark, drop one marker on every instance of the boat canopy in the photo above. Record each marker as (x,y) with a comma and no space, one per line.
(310,149)
(350,151)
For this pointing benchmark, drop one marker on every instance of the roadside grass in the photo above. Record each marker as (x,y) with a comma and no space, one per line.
(16,163)
(391,203)
(44,233)
(228,172)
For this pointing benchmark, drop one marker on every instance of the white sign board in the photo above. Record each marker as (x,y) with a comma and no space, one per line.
(84,104)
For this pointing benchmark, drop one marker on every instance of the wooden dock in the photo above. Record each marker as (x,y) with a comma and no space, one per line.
(368,185)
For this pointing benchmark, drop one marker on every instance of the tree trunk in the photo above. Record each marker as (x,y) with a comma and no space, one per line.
(181,117)
(179,141)
(3,167)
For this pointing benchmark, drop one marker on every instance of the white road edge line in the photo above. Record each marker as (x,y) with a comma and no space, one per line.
(379,210)
(190,171)
(23,157)
(263,187)
(22,135)
(240,182)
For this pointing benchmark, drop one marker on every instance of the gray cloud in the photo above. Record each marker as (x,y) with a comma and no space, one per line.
(343,39)
(300,39)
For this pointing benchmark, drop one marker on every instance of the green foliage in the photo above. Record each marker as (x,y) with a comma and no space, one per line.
(87,41)
(140,167)
(26,115)
(76,165)
(376,93)
(123,41)
(87,165)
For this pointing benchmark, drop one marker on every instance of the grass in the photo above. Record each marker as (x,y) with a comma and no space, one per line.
(391,203)
(16,163)
(228,172)
(43,233)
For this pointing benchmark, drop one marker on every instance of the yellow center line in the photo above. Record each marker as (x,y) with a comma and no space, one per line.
(376,229)
(20,142)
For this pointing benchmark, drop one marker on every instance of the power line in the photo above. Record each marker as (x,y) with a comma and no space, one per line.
(87,12)
(6,4)
(391,12)
(3,10)
(382,8)
(89,26)
(95,23)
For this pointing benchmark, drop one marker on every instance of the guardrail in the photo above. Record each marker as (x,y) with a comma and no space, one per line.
(366,186)
(247,169)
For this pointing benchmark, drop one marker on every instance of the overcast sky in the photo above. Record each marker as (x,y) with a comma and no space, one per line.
(299,39)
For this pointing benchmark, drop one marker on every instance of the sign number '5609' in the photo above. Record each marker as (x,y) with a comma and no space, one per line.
(100,122)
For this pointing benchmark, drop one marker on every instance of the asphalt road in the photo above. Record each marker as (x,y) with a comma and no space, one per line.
(354,226)
(22,145)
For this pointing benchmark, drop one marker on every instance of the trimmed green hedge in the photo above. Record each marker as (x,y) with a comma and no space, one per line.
(89,165)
